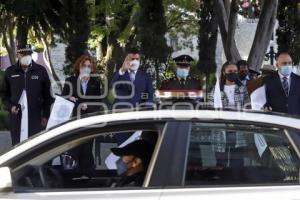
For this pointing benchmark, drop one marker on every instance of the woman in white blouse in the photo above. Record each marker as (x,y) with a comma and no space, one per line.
(233,93)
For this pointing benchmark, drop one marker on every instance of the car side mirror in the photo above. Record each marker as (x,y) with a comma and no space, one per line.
(6,180)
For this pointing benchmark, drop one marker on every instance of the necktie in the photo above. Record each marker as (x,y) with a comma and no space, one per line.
(132,75)
(285,86)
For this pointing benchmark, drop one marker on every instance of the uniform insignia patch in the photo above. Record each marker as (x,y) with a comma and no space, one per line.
(16,75)
(35,77)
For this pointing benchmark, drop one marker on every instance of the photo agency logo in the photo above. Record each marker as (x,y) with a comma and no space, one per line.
(123,103)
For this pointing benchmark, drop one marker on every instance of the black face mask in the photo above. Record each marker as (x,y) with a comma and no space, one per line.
(232,77)
(243,76)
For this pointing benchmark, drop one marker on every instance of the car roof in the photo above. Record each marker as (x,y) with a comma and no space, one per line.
(155,116)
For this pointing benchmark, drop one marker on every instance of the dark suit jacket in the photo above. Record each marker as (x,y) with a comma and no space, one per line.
(37,84)
(93,89)
(141,91)
(276,97)
(174,84)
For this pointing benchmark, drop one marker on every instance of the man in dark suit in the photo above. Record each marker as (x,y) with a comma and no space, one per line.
(132,86)
(283,87)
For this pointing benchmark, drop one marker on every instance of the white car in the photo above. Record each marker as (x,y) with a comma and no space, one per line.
(203,154)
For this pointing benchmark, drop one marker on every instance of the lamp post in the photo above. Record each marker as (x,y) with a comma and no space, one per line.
(271,54)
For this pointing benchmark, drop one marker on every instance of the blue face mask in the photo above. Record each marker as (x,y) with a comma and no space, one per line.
(121,167)
(286,70)
(182,73)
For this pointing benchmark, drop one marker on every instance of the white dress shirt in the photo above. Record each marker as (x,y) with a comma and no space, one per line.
(121,73)
(84,84)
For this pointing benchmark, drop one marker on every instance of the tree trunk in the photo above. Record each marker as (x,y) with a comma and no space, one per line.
(22,31)
(9,43)
(230,48)
(113,59)
(263,34)
(47,58)
(12,43)
(234,55)
(227,6)
(208,35)
(8,49)
(101,49)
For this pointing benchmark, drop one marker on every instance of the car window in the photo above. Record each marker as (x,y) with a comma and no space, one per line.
(225,154)
(89,163)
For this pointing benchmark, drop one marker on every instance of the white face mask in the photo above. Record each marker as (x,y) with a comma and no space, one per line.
(26,60)
(134,65)
(85,72)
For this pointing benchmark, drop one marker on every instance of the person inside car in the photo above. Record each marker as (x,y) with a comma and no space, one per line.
(133,163)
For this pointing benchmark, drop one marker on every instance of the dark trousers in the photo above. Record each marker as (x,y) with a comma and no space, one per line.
(83,154)
(34,126)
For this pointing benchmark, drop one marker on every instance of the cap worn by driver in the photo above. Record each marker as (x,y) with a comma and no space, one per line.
(139,148)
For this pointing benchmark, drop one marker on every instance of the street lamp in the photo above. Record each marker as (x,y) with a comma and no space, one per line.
(271,54)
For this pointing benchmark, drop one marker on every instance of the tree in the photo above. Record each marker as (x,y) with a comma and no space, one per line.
(151,34)
(227,14)
(289,28)
(182,17)
(227,23)
(45,21)
(7,22)
(207,37)
(112,30)
(78,30)
(263,35)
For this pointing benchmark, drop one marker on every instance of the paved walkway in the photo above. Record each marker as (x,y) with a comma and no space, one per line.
(5,141)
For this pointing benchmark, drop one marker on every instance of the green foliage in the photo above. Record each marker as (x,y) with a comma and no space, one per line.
(250,8)
(1,84)
(289,28)
(78,31)
(25,8)
(4,118)
(207,37)
(151,30)
(110,17)
(4,124)
(181,18)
